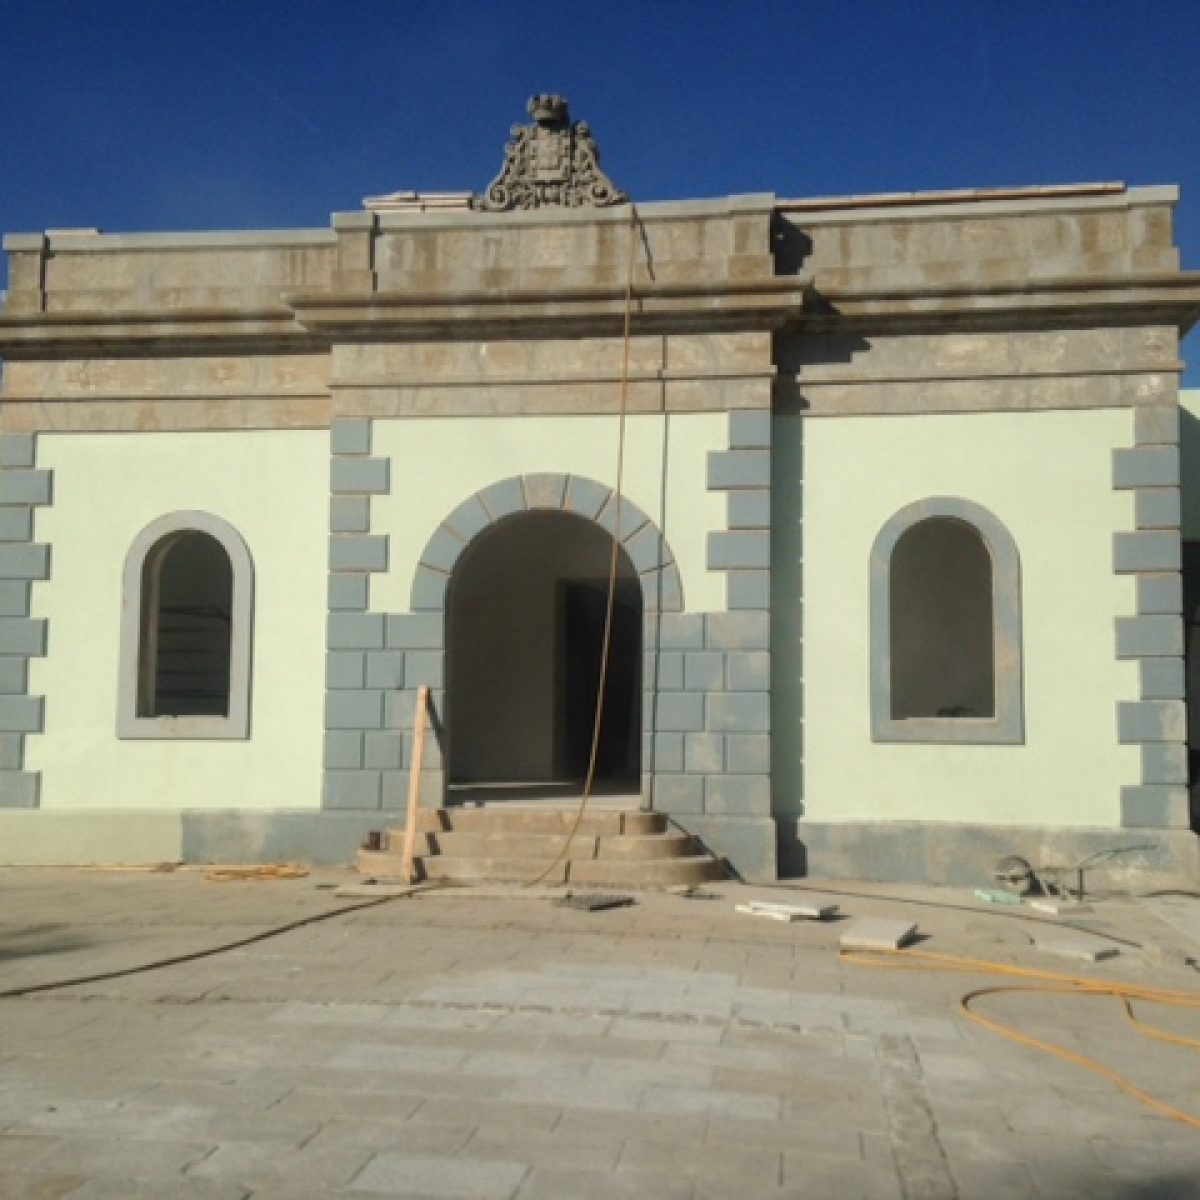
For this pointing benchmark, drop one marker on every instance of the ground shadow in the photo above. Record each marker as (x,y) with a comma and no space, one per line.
(34,941)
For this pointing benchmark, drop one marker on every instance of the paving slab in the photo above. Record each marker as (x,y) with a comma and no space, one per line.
(460,1043)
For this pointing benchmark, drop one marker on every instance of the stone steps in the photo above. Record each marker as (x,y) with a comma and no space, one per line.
(511,843)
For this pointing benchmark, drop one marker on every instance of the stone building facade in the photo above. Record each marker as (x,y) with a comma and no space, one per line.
(900,521)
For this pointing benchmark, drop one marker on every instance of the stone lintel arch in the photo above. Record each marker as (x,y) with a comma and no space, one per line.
(573,495)
(1006,726)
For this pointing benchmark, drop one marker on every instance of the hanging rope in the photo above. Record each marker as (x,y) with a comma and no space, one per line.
(614,560)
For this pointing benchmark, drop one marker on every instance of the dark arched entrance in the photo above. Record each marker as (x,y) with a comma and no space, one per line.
(524,622)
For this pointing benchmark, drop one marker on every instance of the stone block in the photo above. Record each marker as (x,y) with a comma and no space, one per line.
(1156,425)
(631,518)
(443,550)
(22,635)
(1151,721)
(668,752)
(750,427)
(647,549)
(345,669)
(1161,593)
(14,598)
(348,593)
(350,435)
(704,753)
(878,933)
(343,749)
(737,631)
(732,795)
(352,789)
(1148,637)
(350,514)
(703,671)
(424,666)
(585,497)
(469,519)
(429,590)
(1146,466)
(355,631)
(25,487)
(385,669)
(354,710)
(1145,550)
(547,490)
(22,560)
(738,469)
(664,671)
(17,450)
(678,712)
(748,753)
(12,751)
(20,789)
(748,508)
(736,549)
(1165,762)
(363,476)
(748,590)
(382,750)
(679,631)
(1156,508)
(662,591)
(431,791)
(16,523)
(1161,678)
(678,793)
(399,709)
(1154,806)
(14,675)
(358,552)
(415,631)
(748,671)
(503,499)
(21,714)
(738,712)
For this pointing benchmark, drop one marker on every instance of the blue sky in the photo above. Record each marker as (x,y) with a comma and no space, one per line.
(180,114)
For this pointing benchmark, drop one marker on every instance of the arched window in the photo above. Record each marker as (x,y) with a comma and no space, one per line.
(185,637)
(945,627)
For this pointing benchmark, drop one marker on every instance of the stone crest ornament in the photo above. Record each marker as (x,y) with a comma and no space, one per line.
(550,164)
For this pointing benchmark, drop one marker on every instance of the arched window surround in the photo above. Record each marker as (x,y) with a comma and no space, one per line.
(1007,726)
(236,724)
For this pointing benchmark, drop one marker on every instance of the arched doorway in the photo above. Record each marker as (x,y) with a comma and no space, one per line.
(524,622)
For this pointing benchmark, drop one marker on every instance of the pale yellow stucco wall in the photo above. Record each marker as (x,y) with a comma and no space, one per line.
(437,463)
(1048,477)
(273,488)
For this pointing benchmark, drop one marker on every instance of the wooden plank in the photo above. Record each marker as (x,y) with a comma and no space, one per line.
(414,784)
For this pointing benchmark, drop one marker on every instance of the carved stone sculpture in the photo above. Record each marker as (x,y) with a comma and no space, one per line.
(550,164)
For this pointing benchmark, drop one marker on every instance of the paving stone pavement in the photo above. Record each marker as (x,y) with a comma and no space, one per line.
(484,1043)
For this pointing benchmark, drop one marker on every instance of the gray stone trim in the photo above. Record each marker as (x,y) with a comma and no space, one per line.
(1154,637)
(1154,806)
(748,468)
(364,476)
(1146,550)
(1007,727)
(349,514)
(1149,637)
(348,592)
(22,561)
(662,588)
(1156,425)
(1157,508)
(1159,593)
(144,555)
(350,435)
(1146,466)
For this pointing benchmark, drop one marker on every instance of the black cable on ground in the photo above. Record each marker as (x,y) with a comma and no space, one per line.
(193,956)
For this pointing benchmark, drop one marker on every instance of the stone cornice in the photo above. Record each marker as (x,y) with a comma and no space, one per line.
(758,303)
